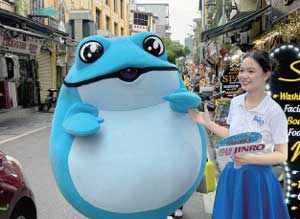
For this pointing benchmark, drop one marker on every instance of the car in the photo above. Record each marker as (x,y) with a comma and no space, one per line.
(16,197)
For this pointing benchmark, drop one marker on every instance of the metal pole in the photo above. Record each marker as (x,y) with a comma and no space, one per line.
(203,14)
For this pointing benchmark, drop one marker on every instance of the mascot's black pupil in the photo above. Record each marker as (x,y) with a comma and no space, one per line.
(90,52)
(154,46)
(129,74)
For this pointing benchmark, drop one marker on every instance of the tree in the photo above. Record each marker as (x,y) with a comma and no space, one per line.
(174,49)
(197,42)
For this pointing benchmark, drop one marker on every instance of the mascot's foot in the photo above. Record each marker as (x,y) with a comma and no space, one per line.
(178,213)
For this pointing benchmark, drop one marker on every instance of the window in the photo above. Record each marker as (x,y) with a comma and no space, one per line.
(107,2)
(107,22)
(122,8)
(35,5)
(115,6)
(62,12)
(88,28)
(140,19)
(122,31)
(98,17)
(116,29)
(72,28)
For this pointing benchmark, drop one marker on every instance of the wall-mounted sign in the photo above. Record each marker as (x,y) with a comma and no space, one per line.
(50,11)
(21,44)
(285,89)
(230,81)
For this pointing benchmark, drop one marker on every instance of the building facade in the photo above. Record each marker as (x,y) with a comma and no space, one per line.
(107,18)
(28,54)
(161,11)
(149,17)
(140,20)
(83,18)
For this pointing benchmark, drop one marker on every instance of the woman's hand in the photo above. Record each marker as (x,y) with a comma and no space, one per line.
(202,118)
(244,158)
(276,157)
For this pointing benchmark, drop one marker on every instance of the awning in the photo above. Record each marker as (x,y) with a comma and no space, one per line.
(286,29)
(238,22)
(7,18)
(30,33)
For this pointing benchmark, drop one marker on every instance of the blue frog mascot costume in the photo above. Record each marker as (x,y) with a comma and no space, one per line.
(122,143)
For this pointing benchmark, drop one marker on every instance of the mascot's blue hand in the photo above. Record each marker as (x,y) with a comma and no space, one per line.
(82,120)
(182,101)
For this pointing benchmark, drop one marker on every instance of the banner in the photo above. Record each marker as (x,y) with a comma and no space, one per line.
(21,44)
(285,89)
(47,12)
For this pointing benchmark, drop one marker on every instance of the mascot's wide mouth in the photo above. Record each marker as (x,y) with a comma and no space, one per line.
(128,75)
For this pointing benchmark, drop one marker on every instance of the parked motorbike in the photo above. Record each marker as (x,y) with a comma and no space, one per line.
(210,100)
(50,100)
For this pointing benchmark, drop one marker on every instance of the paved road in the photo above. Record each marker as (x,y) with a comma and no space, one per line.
(26,137)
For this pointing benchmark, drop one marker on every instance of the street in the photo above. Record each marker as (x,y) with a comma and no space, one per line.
(27,139)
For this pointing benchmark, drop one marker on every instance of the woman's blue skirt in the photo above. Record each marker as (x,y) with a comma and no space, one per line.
(249,192)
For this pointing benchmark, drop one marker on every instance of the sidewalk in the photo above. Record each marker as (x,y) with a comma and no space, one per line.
(20,121)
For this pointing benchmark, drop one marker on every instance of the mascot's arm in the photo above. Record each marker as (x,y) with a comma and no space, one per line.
(182,100)
(82,120)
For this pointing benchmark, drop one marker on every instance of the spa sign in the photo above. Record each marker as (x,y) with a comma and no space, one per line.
(285,89)
(230,81)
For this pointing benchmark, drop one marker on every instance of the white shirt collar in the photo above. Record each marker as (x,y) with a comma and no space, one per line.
(261,108)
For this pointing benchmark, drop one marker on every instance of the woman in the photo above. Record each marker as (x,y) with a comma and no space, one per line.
(251,191)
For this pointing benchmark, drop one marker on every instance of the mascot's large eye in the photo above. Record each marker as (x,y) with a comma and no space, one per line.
(90,51)
(154,45)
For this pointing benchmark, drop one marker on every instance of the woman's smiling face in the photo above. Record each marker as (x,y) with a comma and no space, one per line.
(251,75)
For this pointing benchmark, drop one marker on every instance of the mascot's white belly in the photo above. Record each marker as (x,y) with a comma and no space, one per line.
(141,160)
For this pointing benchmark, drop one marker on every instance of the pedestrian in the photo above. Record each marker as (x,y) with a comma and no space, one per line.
(251,191)
(196,83)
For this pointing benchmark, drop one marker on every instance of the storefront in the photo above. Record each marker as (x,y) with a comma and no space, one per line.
(286,30)
(18,69)
(28,60)
(231,40)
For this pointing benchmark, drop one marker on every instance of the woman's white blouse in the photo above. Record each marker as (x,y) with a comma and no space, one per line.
(267,118)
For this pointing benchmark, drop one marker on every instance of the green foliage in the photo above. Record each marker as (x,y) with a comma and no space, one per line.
(198,30)
(196,57)
(180,63)
(174,49)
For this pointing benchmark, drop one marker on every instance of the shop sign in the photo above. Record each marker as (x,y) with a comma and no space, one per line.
(285,89)
(31,46)
(230,81)
(281,8)
(47,12)
(210,53)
